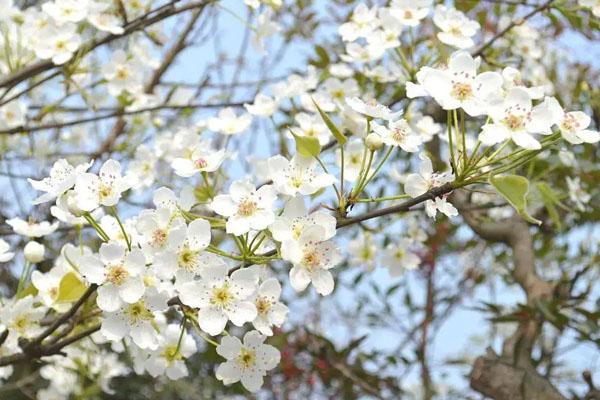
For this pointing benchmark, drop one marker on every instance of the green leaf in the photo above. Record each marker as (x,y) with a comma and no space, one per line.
(514,189)
(339,136)
(29,290)
(551,200)
(70,288)
(307,146)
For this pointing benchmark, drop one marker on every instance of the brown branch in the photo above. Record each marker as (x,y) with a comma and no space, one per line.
(151,18)
(514,23)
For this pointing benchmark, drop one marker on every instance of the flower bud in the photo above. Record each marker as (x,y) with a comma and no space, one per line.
(34,252)
(374,142)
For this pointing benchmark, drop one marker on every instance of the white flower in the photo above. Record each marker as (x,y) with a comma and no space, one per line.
(47,285)
(228,123)
(370,108)
(5,255)
(297,175)
(426,127)
(417,184)
(270,312)
(104,21)
(170,356)
(363,250)
(32,228)
(34,252)
(398,257)
(247,362)
(21,318)
(103,189)
(398,133)
(265,27)
(13,114)
(512,78)
(201,160)
(123,73)
(157,229)
(312,126)
(136,320)
(311,258)
(245,207)
(62,178)
(185,244)
(221,297)
(119,273)
(264,106)
(353,159)
(457,29)
(410,12)
(459,85)
(58,43)
(577,194)
(573,125)
(362,22)
(63,11)
(294,221)
(515,119)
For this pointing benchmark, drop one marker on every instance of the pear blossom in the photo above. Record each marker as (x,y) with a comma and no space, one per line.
(245,207)
(47,285)
(13,114)
(182,257)
(58,44)
(362,22)
(21,318)
(228,123)
(169,358)
(135,320)
(312,257)
(456,29)
(32,228)
(410,12)
(417,184)
(577,194)
(573,125)
(312,126)
(5,254)
(63,11)
(157,229)
(512,78)
(353,156)
(118,271)
(297,175)
(62,178)
(516,119)
(398,257)
(294,221)
(263,106)
(265,28)
(201,160)
(103,189)
(220,297)
(398,133)
(123,73)
(247,362)
(270,311)
(363,250)
(370,108)
(458,86)
(34,252)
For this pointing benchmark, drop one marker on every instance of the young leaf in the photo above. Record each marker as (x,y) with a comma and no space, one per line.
(70,288)
(514,189)
(551,200)
(307,146)
(339,136)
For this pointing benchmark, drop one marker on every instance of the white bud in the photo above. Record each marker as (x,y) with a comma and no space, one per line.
(374,141)
(34,252)
(68,203)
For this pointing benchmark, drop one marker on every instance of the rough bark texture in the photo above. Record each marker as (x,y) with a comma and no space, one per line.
(512,376)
